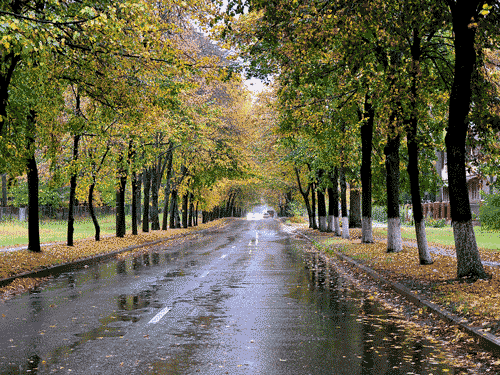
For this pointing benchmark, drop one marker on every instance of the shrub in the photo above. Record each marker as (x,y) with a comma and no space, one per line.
(297,219)
(296,208)
(433,223)
(489,212)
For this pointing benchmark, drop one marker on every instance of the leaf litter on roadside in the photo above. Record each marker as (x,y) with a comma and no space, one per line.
(438,283)
(13,263)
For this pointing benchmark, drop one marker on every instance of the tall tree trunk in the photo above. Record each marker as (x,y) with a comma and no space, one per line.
(468,258)
(173,203)
(191,210)
(313,207)
(394,241)
(321,204)
(226,207)
(158,171)
(166,208)
(413,172)
(330,217)
(305,195)
(333,209)
(139,199)
(33,218)
(170,157)
(120,194)
(8,64)
(185,200)
(343,202)
(95,169)
(155,186)
(354,207)
(322,211)
(366,172)
(120,208)
(72,189)
(135,184)
(177,214)
(92,213)
(146,176)
(343,188)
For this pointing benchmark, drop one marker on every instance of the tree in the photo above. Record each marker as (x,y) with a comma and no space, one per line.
(465,18)
(366,171)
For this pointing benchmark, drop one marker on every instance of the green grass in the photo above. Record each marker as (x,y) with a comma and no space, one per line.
(15,233)
(444,236)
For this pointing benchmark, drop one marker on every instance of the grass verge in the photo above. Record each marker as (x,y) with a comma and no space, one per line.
(15,262)
(15,233)
(488,240)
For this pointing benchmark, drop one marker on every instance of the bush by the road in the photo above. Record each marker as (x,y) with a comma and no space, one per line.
(489,212)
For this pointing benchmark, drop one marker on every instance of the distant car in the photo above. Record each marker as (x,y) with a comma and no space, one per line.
(265,215)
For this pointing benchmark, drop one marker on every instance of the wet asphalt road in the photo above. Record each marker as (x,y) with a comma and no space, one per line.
(246,300)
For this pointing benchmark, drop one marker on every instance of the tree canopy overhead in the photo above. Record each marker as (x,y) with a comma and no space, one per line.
(424,68)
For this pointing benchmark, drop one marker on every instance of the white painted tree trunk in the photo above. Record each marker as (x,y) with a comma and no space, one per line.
(330,226)
(394,241)
(345,227)
(468,258)
(322,223)
(366,230)
(423,250)
(336,225)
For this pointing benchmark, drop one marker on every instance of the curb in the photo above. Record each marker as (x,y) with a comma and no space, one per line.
(486,339)
(81,263)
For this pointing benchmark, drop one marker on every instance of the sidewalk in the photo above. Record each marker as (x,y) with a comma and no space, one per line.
(472,307)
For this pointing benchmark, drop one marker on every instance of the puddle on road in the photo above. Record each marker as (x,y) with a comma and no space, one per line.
(354,330)
(378,341)
(33,308)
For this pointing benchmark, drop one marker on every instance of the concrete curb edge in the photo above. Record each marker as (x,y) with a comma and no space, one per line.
(486,339)
(81,263)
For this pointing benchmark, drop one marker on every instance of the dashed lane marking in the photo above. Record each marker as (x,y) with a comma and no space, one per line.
(205,274)
(160,315)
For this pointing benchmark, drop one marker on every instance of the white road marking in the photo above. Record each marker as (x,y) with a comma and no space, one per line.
(205,274)
(225,255)
(160,315)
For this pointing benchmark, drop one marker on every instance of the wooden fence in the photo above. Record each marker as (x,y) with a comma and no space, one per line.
(436,210)
(441,210)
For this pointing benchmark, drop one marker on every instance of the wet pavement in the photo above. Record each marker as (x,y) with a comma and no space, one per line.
(246,300)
